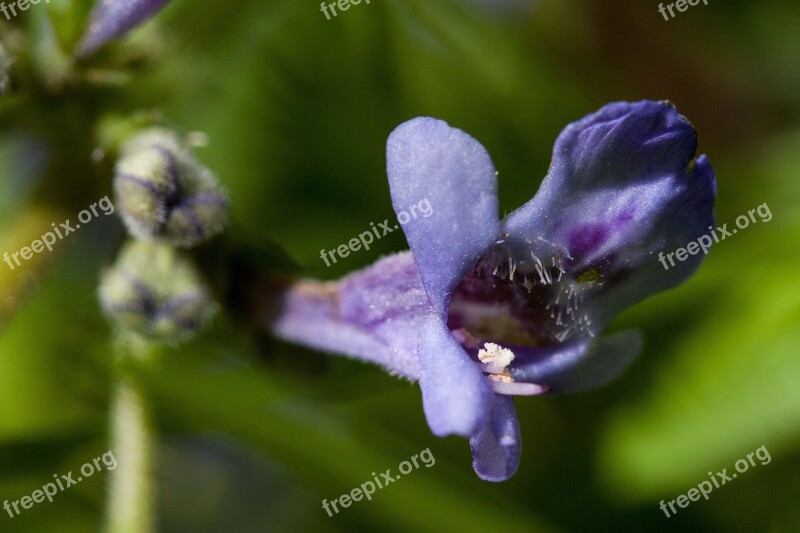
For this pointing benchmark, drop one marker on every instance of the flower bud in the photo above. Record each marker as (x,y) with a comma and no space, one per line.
(164,193)
(155,290)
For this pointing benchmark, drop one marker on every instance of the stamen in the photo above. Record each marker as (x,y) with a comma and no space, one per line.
(517,388)
(494,353)
(496,359)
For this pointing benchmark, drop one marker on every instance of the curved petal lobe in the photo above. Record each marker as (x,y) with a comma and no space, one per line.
(579,366)
(455,393)
(626,186)
(427,160)
(496,449)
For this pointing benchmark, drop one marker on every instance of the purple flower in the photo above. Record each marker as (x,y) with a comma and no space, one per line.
(483,309)
(111,19)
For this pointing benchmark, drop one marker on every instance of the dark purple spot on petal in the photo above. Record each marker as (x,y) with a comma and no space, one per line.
(623,218)
(587,238)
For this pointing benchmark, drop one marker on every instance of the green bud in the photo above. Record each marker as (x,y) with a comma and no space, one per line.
(163,193)
(155,290)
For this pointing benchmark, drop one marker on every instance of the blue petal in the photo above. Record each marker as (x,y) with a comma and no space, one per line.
(620,145)
(112,18)
(455,393)
(687,217)
(429,160)
(581,365)
(496,449)
(623,186)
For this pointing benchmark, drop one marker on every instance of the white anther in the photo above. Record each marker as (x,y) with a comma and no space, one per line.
(494,354)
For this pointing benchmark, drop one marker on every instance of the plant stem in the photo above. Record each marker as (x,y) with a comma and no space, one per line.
(130,506)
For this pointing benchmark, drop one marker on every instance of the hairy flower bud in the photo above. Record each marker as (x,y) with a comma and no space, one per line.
(164,193)
(155,290)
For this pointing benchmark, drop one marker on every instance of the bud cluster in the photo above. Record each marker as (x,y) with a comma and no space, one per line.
(167,201)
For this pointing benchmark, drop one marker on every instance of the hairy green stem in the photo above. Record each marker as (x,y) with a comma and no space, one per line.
(130,506)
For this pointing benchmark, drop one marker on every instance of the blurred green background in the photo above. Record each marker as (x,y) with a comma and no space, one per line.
(255,433)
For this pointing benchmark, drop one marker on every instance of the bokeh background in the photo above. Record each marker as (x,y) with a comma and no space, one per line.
(255,433)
